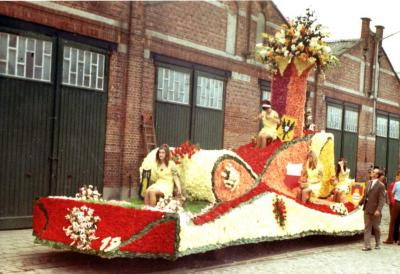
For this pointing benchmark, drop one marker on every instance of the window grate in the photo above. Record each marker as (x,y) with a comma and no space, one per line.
(83,68)
(334,117)
(394,128)
(381,126)
(24,57)
(351,120)
(173,86)
(209,93)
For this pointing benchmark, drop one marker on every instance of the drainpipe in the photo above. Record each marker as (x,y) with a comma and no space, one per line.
(314,109)
(126,75)
(375,74)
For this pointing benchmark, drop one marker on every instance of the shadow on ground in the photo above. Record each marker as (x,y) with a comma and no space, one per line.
(81,262)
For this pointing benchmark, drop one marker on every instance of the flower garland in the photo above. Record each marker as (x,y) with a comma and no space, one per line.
(301,42)
(88,193)
(279,210)
(83,227)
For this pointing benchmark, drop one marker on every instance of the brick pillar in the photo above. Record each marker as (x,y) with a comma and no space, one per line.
(365,32)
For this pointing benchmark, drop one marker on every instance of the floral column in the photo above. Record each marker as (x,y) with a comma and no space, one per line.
(289,94)
(290,55)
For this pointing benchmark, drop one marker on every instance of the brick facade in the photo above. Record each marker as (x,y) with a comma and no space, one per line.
(197,32)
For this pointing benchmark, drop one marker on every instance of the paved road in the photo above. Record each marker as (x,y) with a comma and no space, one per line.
(314,254)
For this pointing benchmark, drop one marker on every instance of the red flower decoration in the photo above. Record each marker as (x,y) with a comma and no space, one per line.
(186,148)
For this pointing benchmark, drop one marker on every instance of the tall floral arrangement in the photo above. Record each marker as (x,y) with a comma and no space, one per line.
(301,41)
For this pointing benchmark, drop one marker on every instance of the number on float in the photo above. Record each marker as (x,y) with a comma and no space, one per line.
(111,242)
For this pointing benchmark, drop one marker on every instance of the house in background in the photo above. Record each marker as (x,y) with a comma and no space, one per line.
(76,77)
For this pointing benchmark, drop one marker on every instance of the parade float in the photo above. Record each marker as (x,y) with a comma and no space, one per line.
(249,195)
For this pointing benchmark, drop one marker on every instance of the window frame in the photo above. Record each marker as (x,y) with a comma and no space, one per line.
(174,68)
(200,73)
(268,86)
(84,47)
(29,35)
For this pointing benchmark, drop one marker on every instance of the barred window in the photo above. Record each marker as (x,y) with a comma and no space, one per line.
(394,129)
(25,57)
(265,90)
(381,126)
(173,86)
(209,92)
(350,120)
(83,68)
(334,117)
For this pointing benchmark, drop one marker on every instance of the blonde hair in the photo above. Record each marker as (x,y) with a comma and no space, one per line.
(314,160)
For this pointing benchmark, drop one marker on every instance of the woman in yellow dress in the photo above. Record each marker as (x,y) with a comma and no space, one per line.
(165,176)
(311,185)
(270,120)
(341,187)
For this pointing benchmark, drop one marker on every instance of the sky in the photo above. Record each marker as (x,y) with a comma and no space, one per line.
(342,18)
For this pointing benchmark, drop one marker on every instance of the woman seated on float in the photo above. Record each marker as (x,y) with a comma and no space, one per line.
(270,120)
(342,182)
(311,179)
(165,176)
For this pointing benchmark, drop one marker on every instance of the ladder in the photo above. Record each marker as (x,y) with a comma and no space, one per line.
(149,134)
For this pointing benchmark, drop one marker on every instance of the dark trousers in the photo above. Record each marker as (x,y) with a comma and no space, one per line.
(370,222)
(394,222)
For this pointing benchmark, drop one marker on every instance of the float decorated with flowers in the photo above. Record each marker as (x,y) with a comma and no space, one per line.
(248,195)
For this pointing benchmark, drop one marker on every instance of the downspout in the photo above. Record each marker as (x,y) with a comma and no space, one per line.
(314,109)
(375,74)
(128,53)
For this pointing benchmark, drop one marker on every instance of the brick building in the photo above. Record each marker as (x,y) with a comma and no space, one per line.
(187,64)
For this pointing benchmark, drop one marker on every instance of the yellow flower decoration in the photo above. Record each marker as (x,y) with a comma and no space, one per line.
(286,128)
(327,158)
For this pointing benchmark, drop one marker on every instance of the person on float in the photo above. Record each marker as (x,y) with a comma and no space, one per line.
(311,179)
(342,182)
(270,120)
(165,176)
(394,205)
(373,202)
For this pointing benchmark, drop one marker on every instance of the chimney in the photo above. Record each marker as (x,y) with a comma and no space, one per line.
(365,32)
(379,34)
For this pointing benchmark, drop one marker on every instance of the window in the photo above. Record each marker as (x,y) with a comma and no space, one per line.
(209,92)
(25,57)
(173,86)
(265,88)
(83,68)
(381,126)
(394,129)
(334,117)
(350,120)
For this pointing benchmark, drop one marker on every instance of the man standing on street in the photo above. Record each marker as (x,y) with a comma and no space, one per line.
(373,201)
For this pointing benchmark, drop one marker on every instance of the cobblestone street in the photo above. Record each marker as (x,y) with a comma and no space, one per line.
(308,255)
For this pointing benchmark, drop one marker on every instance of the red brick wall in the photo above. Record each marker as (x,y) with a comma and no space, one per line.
(198,22)
(242,105)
